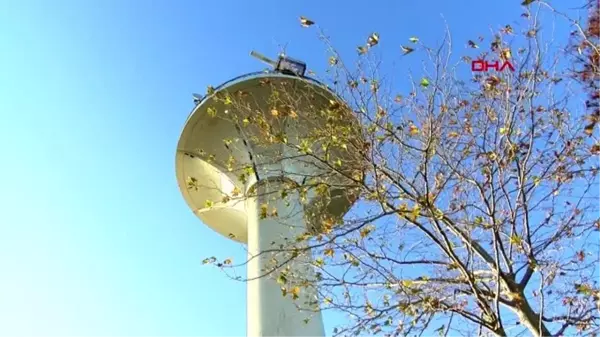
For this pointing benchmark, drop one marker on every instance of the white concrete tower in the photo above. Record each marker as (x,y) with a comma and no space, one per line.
(204,153)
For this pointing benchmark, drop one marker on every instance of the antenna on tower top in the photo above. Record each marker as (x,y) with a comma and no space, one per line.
(284,64)
(263,59)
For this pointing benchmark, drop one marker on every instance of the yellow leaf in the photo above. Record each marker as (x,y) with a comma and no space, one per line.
(373,39)
(453,134)
(227,261)
(192,183)
(502,131)
(403,207)
(416,211)
(274,112)
(306,22)
(413,130)
(365,231)
(212,112)
(328,252)
(263,211)
(295,292)
(589,129)
(208,204)
(406,50)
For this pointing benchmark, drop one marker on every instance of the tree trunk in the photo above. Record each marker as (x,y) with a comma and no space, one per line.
(530,318)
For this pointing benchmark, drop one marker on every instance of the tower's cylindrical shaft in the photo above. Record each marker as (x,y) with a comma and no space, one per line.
(269,312)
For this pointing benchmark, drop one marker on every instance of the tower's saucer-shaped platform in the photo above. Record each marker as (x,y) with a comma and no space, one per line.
(219,143)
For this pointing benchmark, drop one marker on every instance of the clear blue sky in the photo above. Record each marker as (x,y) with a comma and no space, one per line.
(95,239)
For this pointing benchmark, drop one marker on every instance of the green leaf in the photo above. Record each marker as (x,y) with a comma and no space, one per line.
(414,39)
(584,289)
(424,82)
(281,279)
(305,146)
(209,260)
